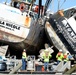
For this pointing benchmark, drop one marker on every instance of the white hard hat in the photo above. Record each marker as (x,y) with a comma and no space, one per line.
(67,52)
(60,50)
(24,50)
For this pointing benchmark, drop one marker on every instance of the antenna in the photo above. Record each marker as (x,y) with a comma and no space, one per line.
(47,5)
(5,1)
(58,4)
(52,5)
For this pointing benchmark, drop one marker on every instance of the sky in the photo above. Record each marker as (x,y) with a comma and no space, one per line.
(54,5)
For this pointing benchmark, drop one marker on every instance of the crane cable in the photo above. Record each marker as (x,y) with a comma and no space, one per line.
(62,3)
(47,5)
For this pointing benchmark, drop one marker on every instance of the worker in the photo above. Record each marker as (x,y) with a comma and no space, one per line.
(46,57)
(59,56)
(70,57)
(65,58)
(24,60)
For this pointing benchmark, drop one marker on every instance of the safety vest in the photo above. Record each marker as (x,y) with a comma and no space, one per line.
(24,55)
(46,58)
(65,58)
(59,56)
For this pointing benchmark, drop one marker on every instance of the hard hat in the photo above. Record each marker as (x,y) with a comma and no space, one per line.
(24,50)
(60,50)
(67,52)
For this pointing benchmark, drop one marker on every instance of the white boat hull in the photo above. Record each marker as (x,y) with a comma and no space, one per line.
(20,31)
(14,27)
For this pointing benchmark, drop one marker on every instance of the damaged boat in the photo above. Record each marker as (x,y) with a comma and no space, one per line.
(60,30)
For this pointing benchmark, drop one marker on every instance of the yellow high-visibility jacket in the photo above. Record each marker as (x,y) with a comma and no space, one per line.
(60,57)
(24,55)
(46,58)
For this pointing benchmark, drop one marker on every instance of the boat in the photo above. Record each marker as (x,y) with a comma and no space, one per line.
(31,35)
(21,27)
(61,32)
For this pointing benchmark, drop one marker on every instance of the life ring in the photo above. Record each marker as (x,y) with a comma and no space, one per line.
(22,6)
(36,9)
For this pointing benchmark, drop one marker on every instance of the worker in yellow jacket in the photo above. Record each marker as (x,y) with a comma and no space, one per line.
(46,57)
(24,60)
(59,56)
(65,58)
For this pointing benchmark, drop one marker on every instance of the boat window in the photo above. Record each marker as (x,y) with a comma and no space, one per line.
(16,4)
(29,1)
(69,12)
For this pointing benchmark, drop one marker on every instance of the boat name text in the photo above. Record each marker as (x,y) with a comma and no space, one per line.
(70,30)
(9,25)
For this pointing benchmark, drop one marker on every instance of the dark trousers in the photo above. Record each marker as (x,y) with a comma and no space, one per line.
(23,64)
(58,61)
